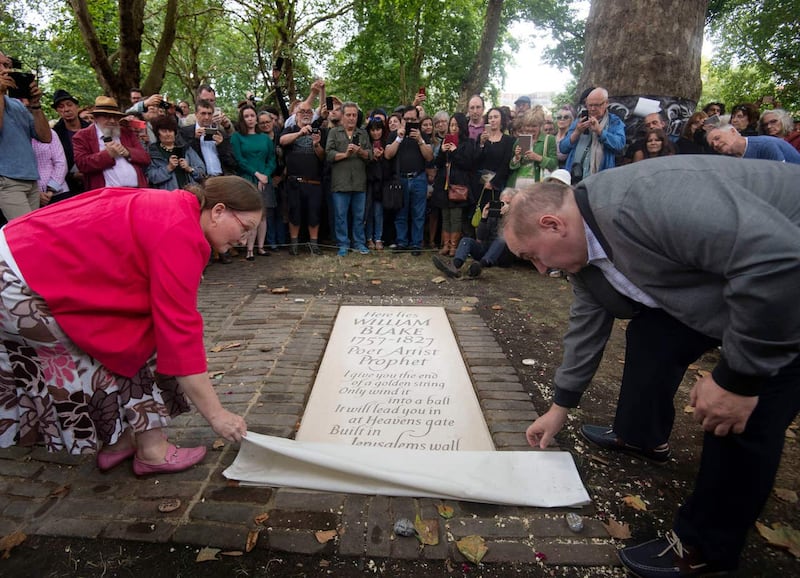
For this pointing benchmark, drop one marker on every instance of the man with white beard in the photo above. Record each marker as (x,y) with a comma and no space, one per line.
(107,153)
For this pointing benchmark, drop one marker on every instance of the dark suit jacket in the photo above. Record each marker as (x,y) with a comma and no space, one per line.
(224,151)
(91,161)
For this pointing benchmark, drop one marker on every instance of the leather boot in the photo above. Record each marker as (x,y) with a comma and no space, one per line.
(445,250)
(454,239)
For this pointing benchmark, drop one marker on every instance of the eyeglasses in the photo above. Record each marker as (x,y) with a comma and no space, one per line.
(563,117)
(245,230)
(304,111)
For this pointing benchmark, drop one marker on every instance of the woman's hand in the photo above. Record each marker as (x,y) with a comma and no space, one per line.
(228,425)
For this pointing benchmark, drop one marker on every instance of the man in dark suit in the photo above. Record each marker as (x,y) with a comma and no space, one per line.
(209,141)
(107,153)
(70,123)
(697,252)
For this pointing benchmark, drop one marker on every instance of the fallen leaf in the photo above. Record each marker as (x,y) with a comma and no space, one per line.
(688,409)
(207,554)
(218,444)
(218,348)
(216,374)
(465,307)
(514,299)
(261,518)
(781,535)
(616,530)
(473,548)
(323,536)
(635,502)
(438,280)
(786,495)
(497,307)
(233,553)
(279,290)
(60,491)
(427,530)
(252,539)
(445,511)
(11,541)
(324,563)
(169,505)
(376,281)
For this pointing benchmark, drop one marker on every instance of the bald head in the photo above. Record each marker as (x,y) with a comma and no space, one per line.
(597,102)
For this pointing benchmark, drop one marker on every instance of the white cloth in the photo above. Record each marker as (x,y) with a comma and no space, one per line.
(530,478)
(123,173)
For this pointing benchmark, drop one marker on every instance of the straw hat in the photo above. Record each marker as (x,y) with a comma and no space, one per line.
(107,105)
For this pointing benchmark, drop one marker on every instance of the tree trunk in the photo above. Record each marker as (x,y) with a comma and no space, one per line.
(646,49)
(117,82)
(479,72)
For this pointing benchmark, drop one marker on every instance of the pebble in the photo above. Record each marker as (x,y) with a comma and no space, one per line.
(404,527)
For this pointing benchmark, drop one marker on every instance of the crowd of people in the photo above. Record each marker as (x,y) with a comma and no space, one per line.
(697,250)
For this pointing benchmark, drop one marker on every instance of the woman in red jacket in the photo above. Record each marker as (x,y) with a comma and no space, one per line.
(101,333)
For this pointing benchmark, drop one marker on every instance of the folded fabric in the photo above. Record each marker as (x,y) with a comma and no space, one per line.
(529,478)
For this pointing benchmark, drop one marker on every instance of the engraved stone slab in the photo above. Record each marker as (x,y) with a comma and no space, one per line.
(393,377)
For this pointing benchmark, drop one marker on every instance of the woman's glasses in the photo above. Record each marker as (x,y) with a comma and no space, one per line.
(563,117)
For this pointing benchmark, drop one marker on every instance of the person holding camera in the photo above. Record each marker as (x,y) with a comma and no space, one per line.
(109,153)
(348,150)
(19,191)
(172,166)
(593,139)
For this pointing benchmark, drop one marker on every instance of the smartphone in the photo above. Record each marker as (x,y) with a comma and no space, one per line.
(23,81)
(712,120)
(451,138)
(329,103)
(584,115)
(524,141)
(494,208)
(421,90)
(355,140)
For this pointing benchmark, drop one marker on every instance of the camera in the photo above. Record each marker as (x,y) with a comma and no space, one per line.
(355,140)
(314,131)
(164,104)
(494,209)
(23,81)
(210,131)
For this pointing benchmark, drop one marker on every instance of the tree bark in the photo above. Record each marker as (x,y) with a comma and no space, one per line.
(479,72)
(118,72)
(645,48)
(645,51)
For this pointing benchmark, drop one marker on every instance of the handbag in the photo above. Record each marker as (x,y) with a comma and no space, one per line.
(392,195)
(476,216)
(455,193)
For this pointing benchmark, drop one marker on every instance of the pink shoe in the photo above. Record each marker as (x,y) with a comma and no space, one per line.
(176,460)
(107,459)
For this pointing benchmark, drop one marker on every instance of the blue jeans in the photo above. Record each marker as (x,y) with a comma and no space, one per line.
(351,202)
(375,221)
(491,255)
(276,228)
(415,193)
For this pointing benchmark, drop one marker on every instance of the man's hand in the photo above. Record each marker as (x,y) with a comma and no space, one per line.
(36,94)
(719,411)
(541,432)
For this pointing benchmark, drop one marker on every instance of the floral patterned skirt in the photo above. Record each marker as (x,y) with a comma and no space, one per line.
(54,394)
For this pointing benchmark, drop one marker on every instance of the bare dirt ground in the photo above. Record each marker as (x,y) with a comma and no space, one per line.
(528,314)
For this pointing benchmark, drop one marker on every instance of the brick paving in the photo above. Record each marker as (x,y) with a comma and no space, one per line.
(267,377)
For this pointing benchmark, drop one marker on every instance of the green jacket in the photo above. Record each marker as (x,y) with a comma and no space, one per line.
(526,169)
(349,174)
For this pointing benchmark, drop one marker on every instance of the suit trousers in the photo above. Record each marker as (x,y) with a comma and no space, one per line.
(737,471)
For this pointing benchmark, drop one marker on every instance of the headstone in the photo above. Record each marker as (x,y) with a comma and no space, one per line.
(393,377)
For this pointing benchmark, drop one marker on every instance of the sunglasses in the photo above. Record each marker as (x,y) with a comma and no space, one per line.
(563,117)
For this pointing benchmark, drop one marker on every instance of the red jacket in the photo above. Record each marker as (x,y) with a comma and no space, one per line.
(91,161)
